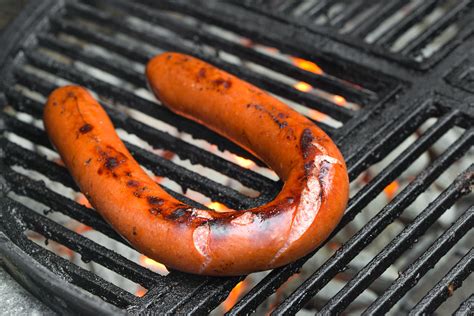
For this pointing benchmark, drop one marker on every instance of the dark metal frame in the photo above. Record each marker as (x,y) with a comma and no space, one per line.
(396,102)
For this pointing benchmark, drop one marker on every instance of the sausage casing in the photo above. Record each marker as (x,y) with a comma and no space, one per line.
(307,209)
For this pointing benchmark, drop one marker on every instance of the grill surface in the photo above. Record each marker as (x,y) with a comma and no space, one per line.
(395,93)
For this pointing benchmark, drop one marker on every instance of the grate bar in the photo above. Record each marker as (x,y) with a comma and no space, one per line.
(324,82)
(278,276)
(340,113)
(410,277)
(466,307)
(399,244)
(158,139)
(62,267)
(447,285)
(402,26)
(370,23)
(374,227)
(436,28)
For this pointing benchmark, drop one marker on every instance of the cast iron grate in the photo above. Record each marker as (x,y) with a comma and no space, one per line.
(413,32)
(103,45)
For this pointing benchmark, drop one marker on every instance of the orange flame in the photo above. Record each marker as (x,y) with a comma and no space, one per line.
(302,86)
(216,206)
(307,65)
(153,265)
(234,295)
(391,189)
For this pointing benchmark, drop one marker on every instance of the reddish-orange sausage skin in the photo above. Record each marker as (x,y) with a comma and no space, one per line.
(307,209)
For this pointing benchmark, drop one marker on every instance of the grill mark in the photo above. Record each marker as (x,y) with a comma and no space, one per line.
(278,119)
(86,128)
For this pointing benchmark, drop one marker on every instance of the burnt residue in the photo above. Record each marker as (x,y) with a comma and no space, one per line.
(178,213)
(153,200)
(111,158)
(138,193)
(111,163)
(222,82)
(308,168)
(133,183)
(134,231)
(279,118)
(88,161)
(202,73)
(306,142)
(86,128)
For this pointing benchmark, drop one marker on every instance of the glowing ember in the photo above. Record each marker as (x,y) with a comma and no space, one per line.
(81,199)
(82,229)
(302,86)
(59,161)
(234,295)
(391,189)
(339,100)
(216,206)
(307,65)
(246,163)
(316,115)
(140,292)
(153,265)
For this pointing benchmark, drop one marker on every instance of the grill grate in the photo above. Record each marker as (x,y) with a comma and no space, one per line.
(389,96)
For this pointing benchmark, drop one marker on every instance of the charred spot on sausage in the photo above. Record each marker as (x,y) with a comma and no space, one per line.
(202,73)
(306,142)
(225,83)
(153,200)
(86,128)
(133,183)
(177,213)
(111,163)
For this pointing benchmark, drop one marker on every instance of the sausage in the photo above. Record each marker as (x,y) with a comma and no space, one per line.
(200,241)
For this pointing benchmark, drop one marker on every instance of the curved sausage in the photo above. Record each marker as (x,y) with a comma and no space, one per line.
(307,209)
